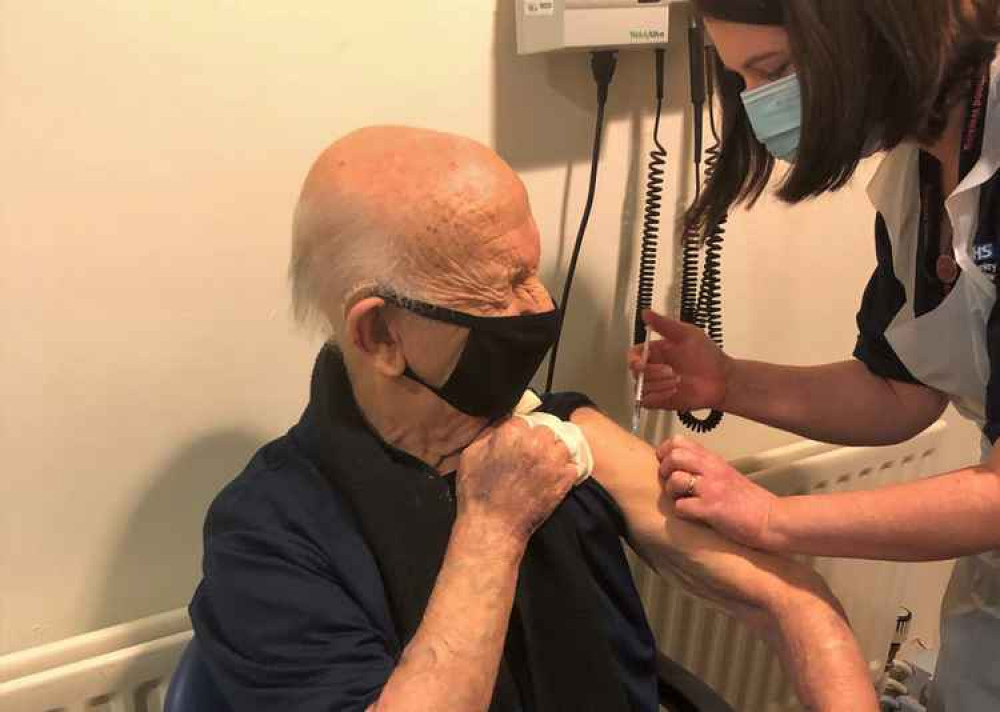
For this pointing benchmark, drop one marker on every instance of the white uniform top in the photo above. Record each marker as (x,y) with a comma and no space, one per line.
(911,331)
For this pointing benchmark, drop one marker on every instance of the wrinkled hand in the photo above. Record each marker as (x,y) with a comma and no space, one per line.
(707,490)
(514,477)
(685,369)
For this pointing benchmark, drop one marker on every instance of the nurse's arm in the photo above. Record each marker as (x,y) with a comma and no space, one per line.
(789,603)
(843,403)
(938,518)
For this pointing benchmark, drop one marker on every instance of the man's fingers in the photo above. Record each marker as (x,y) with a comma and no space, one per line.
(557,447)
(516,423)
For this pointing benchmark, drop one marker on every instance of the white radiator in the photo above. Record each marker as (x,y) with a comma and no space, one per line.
(122,669)
(734,661)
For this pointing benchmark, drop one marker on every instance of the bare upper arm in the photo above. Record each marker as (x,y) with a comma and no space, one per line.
(914,406)
(716,567)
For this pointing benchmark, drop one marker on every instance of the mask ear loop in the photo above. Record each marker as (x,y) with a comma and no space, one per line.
(373,289)
(412,375)
(421,309)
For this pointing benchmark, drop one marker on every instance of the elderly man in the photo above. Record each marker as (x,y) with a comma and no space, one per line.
(407,545)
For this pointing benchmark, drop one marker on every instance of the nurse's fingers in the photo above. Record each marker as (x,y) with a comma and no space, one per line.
(678,441)
(659,372)
(671,330)
(682,459)
(660,399)
(681,484)
(693,509)
(654,361)
(650,385)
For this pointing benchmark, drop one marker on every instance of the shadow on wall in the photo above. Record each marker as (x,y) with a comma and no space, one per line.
(543,104)
(156,562)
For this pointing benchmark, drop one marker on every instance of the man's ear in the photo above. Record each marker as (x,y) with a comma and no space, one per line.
(374,336)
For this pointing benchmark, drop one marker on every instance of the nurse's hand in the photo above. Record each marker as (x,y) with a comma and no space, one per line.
(685,369)
(707,490)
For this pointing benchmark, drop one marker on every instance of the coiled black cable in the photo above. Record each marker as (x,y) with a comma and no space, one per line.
(653,211)
(710,290)
(691,258)
(701,305)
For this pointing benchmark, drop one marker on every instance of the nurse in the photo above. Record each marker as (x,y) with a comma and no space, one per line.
(821,84)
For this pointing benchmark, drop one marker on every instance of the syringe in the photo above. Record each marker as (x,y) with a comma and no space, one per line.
(639,382)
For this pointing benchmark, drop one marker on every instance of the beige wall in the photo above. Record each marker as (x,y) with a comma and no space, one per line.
(151,153)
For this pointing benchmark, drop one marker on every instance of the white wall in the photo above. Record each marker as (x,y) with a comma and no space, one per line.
(151,154)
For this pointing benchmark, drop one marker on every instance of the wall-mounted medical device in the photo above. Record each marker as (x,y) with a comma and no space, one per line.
(557,25)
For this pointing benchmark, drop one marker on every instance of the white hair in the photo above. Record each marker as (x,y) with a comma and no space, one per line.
(339,250)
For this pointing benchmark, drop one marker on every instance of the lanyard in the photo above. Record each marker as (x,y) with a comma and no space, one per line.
(941,257)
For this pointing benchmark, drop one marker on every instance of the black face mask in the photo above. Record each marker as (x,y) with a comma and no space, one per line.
(500,357)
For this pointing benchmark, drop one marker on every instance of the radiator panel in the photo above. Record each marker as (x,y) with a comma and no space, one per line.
(130,679)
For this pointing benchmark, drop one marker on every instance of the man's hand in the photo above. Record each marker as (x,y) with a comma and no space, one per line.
(513,478)
(509,482)
(708,490)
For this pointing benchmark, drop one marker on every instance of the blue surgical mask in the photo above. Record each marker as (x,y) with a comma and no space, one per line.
(775,112)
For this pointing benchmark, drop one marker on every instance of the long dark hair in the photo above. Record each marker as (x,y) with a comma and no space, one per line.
(885,69)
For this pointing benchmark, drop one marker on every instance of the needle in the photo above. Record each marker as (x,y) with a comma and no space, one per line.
(640,381)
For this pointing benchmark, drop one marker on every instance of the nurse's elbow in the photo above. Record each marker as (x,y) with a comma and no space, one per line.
(919,407)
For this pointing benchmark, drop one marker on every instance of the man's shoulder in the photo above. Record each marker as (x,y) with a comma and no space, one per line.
(281,488)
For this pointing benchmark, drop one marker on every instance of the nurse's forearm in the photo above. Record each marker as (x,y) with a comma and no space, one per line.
(939,518)
(452,662)
(842,403)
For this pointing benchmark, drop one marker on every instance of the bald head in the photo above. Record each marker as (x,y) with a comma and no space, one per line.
(424,213)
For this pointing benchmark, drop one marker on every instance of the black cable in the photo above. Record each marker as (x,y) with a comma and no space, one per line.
(701,305)
(653,211)
(710,292)
(603,66)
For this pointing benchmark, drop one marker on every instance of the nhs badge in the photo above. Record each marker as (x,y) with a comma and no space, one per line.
(984,254)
